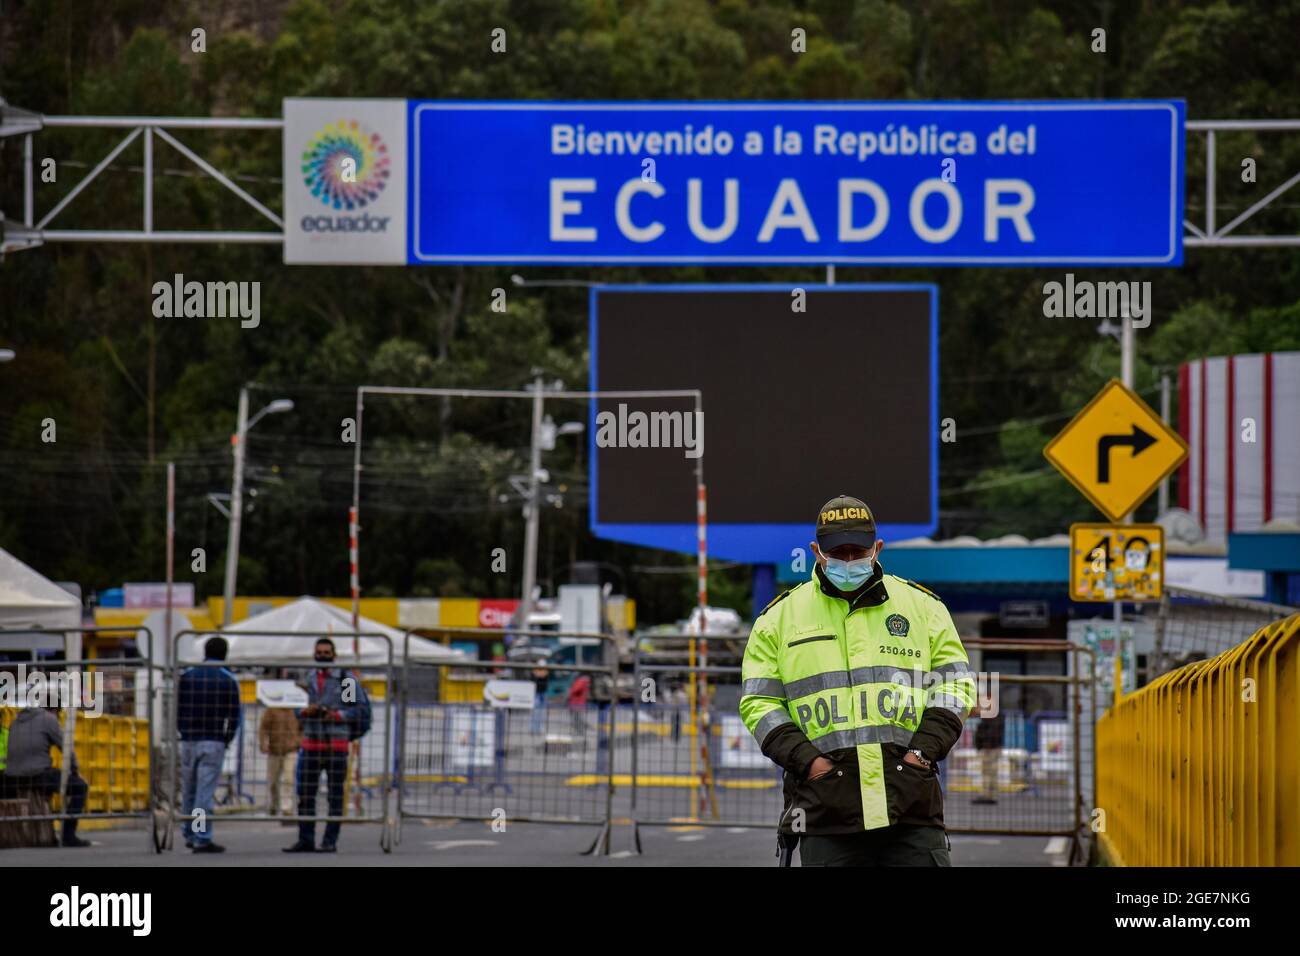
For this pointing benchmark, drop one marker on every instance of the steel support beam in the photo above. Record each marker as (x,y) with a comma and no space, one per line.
(28,232)
(1209,235)
(31,233)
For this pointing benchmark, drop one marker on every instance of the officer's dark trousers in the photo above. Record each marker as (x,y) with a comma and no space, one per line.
(900,845)
(310,765)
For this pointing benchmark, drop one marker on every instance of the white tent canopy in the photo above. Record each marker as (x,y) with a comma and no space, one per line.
(253,638)
(191,646)
(28,599)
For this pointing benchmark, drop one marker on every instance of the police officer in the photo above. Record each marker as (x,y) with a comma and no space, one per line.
(856,683)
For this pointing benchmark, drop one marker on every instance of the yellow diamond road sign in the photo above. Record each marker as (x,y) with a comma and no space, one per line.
(1116,450)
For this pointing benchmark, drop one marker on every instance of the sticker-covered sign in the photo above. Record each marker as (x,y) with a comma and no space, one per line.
(1116,562)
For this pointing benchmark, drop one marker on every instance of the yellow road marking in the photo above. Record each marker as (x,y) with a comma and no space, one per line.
(664,780)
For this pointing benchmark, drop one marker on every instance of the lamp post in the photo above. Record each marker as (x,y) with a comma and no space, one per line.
(243,425)
(544,434)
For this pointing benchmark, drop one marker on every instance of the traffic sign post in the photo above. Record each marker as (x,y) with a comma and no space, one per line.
(1116,562)
(1116,450)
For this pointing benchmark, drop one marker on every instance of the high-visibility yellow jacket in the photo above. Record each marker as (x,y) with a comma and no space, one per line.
(861,683)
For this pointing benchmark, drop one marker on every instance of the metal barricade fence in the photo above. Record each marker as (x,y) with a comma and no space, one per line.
(692,761)
(1027,765)
(523,740)
(102,706)
(1195,626)
(281,764)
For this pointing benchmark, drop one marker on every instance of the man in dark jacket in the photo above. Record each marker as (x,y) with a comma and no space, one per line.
(335,701)
(34,731)
(208,716)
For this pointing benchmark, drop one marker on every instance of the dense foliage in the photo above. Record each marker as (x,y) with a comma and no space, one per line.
(130,392)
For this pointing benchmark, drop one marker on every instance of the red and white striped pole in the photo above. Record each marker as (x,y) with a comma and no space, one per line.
(707,800)
(352,569)
(701,511)
(355,584)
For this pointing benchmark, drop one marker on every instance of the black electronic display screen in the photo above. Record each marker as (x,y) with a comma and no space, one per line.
(798,406)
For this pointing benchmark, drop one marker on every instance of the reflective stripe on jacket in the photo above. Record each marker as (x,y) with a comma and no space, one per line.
(861,684)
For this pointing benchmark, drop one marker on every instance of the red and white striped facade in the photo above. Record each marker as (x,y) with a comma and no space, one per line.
(1227,482)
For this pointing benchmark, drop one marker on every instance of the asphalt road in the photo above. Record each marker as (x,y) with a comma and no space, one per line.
(450,843)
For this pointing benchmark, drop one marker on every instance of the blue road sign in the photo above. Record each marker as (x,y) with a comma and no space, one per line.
(976,183)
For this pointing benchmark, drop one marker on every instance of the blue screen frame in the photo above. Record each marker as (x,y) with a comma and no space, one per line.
(754,543)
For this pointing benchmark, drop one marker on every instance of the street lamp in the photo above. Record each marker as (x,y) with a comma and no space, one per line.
(275,408)
(243,424)
(521,282)
(550,431)
(543,439)
(6,355)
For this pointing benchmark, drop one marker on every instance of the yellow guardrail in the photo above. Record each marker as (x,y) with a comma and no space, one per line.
(1201,767)
(113,757)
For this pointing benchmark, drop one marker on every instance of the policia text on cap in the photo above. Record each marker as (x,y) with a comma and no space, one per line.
(856,683)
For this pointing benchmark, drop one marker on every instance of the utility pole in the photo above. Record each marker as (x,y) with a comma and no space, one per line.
(165,657)
(242,426)
(236,508)
(1126,350)
(531,509)
(1126,362)
(1162,500)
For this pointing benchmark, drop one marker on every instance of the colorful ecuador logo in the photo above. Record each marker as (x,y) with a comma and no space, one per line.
(345,166)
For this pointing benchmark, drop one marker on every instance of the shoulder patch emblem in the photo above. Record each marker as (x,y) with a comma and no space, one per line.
(923,590)
(897,625)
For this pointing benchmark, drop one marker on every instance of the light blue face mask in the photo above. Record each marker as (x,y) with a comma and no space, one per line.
(849,575)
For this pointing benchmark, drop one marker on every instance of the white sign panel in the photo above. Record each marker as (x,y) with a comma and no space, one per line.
(1054,752)
(281,693)
(345,182)
(150,595)
(510,694)
(1213,576)
(473,735)
(739,749)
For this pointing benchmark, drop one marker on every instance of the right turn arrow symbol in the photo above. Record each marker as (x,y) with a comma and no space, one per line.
(1138,440)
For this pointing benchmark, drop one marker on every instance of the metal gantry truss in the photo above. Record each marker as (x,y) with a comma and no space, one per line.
(1210,234)
(30,232)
